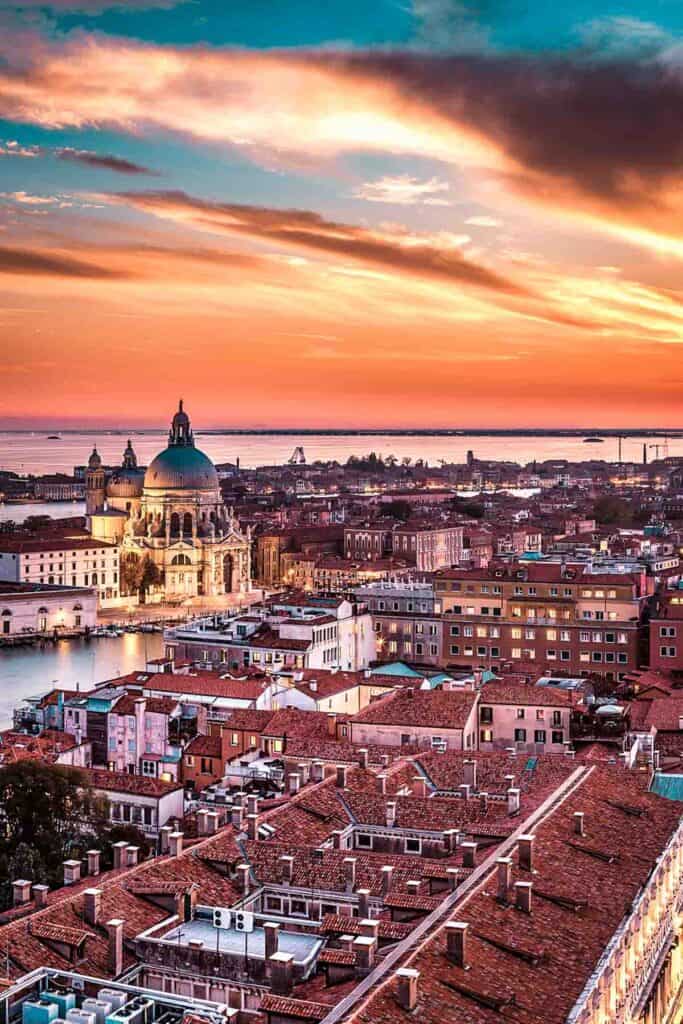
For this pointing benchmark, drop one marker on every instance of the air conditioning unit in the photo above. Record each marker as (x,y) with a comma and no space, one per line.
(222,917)
(100,1007)
(113,996)
(243,921)
(65,1001)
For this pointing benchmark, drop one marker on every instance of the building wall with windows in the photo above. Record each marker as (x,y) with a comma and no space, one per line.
(28,608)
(666,634)
(63,561)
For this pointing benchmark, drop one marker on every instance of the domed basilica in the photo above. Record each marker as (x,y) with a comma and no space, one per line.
(173,513)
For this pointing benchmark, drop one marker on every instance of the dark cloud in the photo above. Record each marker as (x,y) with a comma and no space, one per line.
(605,127)
(104,161)
(50,264)
(306,229)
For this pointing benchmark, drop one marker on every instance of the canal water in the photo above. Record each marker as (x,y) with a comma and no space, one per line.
(74,664)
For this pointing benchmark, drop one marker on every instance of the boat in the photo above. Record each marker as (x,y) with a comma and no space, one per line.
(53,437)
(593,440)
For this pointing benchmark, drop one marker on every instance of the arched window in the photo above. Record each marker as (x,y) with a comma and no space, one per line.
(180,560)
(94,578)
(43,611)
(187,523)
(175,524)
(78,608)
(6,613)
(228,568)
(50,579)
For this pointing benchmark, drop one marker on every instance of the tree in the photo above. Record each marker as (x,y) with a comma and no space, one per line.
(609,509)
(116,834)
(399,509)
(131,574)
(151,576)
(49,814)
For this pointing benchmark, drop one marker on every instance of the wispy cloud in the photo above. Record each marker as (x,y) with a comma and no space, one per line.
(484,222)
(104,161)
(403,190)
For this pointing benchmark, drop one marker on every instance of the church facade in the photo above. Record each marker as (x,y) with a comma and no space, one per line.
(171,513)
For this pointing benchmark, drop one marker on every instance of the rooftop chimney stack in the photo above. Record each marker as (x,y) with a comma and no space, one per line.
(525,852)
(252,804)
(407,989)
(236,815)
(364,947)
(93,862)
(341,776)
(456,943)
(317,771)
(453,878)
(286,869)
(381,784)
(21,892)
(513,801)
(176,843)
(484,803)
(72,872)
(470,770)
(164,841)
(115,947)
(119,854)
(504,865)
(350,873)
(243,878)
(469,855)
(363,757)
(464,791)
(39,893)
(132,853)
(363,903)
(252,826)
(92,905)
(387,874)
(523,896)
(271,932)
(294,783)
(281,973)
(391,813)
(579,825)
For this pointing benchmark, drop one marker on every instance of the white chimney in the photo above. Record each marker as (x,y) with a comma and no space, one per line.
(407,990)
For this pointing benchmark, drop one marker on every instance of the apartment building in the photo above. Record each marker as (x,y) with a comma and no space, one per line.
(62,561)
(426,544)
(550,616)
(666,633)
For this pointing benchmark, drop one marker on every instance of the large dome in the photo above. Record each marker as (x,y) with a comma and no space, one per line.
(181,468)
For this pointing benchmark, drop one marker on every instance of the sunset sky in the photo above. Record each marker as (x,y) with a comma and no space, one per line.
(432,213)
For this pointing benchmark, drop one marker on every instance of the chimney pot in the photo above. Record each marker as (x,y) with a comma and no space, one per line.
(72,872)
(381,784)
(286,868)
(456,943)
(387,873)
(93,862)
(341,776)
(391,813)
(252,826)
(407,990)
(363,757)
(317,771)
(132,853)
(243,878)
(363,903)
(469,855)
(294,783)
(271,931)
(164,842)
(513,801)
(236,815)
(252,804)
(282,973)
(523,896)
(350,873)
(119,853)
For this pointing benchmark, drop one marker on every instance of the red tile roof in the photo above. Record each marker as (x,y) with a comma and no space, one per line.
(421,708)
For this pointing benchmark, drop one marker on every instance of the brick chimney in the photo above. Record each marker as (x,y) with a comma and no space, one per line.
(21,892)
(364,947)
(201,821)
(407,988)
(39,893)
(363,903)
(453,878)
(369,926)
(470,774)
(72,872)
(294,783)
(504,866)
(92,905)
(115,947)
(132,854)
(236,815)
(93,862)
(271,932)
(176,843)
(286,863)
(317,771)
(513,801)
(419,786)
(483,802)
(281,973)
(119,853)
(211,823)
(341,776)
(252,804)
(252,826)
(243,878)
(525,852)
(332,726)
(523,896)
(363,757)
(381,784)
(350,873)
(164,841)
(391,813)
(469,855)
(464,791)
(456,943)
(387,874)
(579,823)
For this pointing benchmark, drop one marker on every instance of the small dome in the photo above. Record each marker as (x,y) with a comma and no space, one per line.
(182,468)
(95,462)
(126,483)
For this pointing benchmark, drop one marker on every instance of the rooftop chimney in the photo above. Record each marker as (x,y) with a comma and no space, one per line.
(363,903)
(350,873)
(39,893)
(115,957)
(21,892)
(92,903)
(523,896)
(363,757)
(406,992)
(453,878)
(504,865)
(72,872)
(176,843)
(419,786)
(272,937)
(243,879)
(513,801)
(381,784)
(469,854)
(332,726)
(286,869)
(252,826)
(341,776)
(132,853)
(294,783)
(236,818)
(525,852)
(211,822)
(470,774)
(579,822)
(252,804)
(317,771)
(464,791)
(93,862)
(456,943)
(391,813)
(364,947)
(119,853)
(281,973)
(164,842)
(387,874)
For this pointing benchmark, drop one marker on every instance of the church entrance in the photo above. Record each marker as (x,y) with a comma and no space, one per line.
(228,569)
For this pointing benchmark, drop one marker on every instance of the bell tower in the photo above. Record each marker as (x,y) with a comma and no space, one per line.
(94,484)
